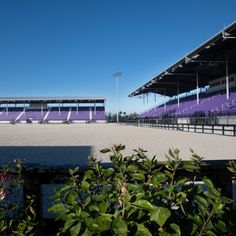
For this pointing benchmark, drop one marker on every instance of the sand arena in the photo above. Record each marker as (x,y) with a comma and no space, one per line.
(59,144)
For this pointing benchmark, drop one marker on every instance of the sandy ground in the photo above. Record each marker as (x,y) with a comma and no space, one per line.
(71,144)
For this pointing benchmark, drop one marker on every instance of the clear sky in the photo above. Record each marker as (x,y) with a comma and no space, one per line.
(71,48)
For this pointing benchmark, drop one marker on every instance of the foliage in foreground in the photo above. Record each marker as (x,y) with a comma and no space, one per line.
(16,218)
(142,196)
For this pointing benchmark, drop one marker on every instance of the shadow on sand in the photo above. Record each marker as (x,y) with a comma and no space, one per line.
(47,156)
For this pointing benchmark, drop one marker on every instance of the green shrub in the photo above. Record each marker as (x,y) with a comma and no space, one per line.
(16,218)
(138,195)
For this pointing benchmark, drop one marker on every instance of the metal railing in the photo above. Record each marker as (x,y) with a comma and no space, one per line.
(219,129)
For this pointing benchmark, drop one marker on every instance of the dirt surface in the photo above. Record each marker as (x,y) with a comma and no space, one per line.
(59,144)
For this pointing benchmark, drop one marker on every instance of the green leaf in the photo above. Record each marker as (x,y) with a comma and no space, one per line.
(210,233)
(87,233)
(144,204)
(189,166)
(114,158)
(142,231)
(119,148)
(132,168)
(176,229)
(105,150)
(133,187)
(74,231)
(103,207)
(158,177)
(103,222)
(71,198)
(99,197)
(88,174)
(85,185)
(68,223)
(182,180)
(221,226)
(202,201)
(160,215)
(211,187)
(197,219)
(78,211)
(119,227)
(2,222)
(58,208)
(108,172)
(93,208)
(138,176)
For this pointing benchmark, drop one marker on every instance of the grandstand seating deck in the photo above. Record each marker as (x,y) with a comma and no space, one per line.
(33,115)
(208,103)
(82,114)
(55,115)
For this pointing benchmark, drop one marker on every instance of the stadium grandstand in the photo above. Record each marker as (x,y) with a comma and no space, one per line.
(202,83)
(52,109)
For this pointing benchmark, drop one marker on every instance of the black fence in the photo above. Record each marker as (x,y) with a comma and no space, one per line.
(219,129)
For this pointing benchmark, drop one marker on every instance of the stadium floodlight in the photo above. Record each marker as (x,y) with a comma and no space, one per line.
(117,75)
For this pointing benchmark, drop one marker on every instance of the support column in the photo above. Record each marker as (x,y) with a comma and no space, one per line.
(165,99)
(197,85)
(24,108)
(147,97)
(95,111)
(7,110)
(178,92)
(41,108)
(143,99)
(227,76)
(77,109)
(59,109)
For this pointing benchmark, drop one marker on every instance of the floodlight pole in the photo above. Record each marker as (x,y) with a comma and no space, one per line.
(117,75)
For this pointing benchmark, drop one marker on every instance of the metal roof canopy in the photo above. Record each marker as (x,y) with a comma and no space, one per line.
(208,60)
(18,100)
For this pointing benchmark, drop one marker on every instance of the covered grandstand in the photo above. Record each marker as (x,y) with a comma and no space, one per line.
(52,109)
(202,83)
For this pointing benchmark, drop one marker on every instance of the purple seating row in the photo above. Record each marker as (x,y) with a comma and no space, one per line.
(208,103)
(65,114)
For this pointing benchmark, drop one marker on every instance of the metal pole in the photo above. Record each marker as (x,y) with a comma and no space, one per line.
(41,108)
(117,99)
(178,92)
(227,77)
(165,100)
(117,75)
(197,85)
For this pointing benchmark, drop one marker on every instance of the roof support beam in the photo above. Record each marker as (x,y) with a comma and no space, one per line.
(227,77)
(178,92)
(197,80)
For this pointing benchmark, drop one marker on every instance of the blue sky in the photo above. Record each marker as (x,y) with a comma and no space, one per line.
(71,48)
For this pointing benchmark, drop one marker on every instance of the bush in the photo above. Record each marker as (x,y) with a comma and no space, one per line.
(139,195)
(16,218)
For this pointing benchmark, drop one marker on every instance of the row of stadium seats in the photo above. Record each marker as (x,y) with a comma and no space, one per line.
(208,103)
(54,114)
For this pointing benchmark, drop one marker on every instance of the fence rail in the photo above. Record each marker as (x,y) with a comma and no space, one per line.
(227,130)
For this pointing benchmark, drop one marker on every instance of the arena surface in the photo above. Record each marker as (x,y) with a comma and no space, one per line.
(59,144)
